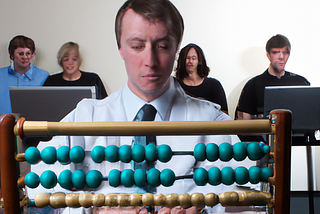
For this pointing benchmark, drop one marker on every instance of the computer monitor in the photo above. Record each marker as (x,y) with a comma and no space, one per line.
(302,101)
(47,103)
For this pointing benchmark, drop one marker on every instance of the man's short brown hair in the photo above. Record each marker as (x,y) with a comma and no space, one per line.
(20,41)
(278,41)
(153,10)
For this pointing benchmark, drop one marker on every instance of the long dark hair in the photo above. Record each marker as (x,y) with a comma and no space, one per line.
(181,71)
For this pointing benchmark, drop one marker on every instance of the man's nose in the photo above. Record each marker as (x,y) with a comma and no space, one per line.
(150,57)
(281,55)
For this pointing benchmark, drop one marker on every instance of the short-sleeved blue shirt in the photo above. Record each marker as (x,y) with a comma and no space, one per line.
(8,77)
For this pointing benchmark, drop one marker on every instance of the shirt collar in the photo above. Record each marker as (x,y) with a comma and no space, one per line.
(132,103)
(28,74)
(284,74)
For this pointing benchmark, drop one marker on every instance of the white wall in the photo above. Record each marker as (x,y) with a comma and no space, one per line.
(232,34)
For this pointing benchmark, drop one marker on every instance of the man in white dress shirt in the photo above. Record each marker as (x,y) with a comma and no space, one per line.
(148,36)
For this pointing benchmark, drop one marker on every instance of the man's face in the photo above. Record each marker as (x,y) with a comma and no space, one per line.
(22,57)
(278,58)
(149,53)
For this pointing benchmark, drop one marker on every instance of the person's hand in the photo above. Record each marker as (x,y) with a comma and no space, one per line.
(178,210)
(116,210)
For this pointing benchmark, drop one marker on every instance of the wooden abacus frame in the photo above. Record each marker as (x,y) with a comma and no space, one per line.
(279,124)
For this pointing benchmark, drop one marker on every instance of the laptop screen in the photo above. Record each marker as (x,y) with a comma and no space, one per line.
(47,103)
(302,101)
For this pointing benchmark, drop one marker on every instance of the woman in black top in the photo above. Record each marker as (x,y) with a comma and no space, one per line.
(192,72)
(70,60)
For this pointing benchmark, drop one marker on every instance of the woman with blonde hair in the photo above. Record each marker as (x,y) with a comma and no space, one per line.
(70,60)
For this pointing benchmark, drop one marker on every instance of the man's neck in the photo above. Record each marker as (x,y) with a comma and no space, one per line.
(278,74)
(148,96)
(21,70)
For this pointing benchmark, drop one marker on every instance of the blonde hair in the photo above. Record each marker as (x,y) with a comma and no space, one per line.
(65,48)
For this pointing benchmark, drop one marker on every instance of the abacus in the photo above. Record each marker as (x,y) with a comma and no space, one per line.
(278,125)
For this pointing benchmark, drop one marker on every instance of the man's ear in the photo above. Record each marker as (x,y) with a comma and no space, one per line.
(121,53)
(268,55)
(33,55)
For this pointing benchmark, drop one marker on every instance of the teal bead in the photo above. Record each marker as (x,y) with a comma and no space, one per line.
(94,178)
(254,151)
(241,175)
(32,155)
(199,152)
(138,153)
(164,153)
(153,177)
(114,178)
(32,203)
(32,180)
(214,176)
(125,153)
(266,173)
(225,151)
(200,176)
(48,179)
(167,177)
(78,179)
(76,154)
(140,177)
(227,175)
(151,152)
(63,155)
(240,151)
(97,154)
(254,175)
(126,178)
(49,155)
(112,153)
(64,179)
(212,152)
(266,149)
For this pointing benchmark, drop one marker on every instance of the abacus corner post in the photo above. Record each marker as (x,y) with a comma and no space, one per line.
(282,120)
(7,155)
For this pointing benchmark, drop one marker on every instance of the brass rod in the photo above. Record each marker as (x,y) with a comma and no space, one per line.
(144,128)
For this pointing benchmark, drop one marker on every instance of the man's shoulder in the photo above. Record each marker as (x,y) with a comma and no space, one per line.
(259,76)
(40,71)
(109,102)
(4,70)
(297,77)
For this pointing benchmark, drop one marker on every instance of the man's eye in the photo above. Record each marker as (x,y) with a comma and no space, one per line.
(75,59)
(137,47)
(65,59)
(163,47)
